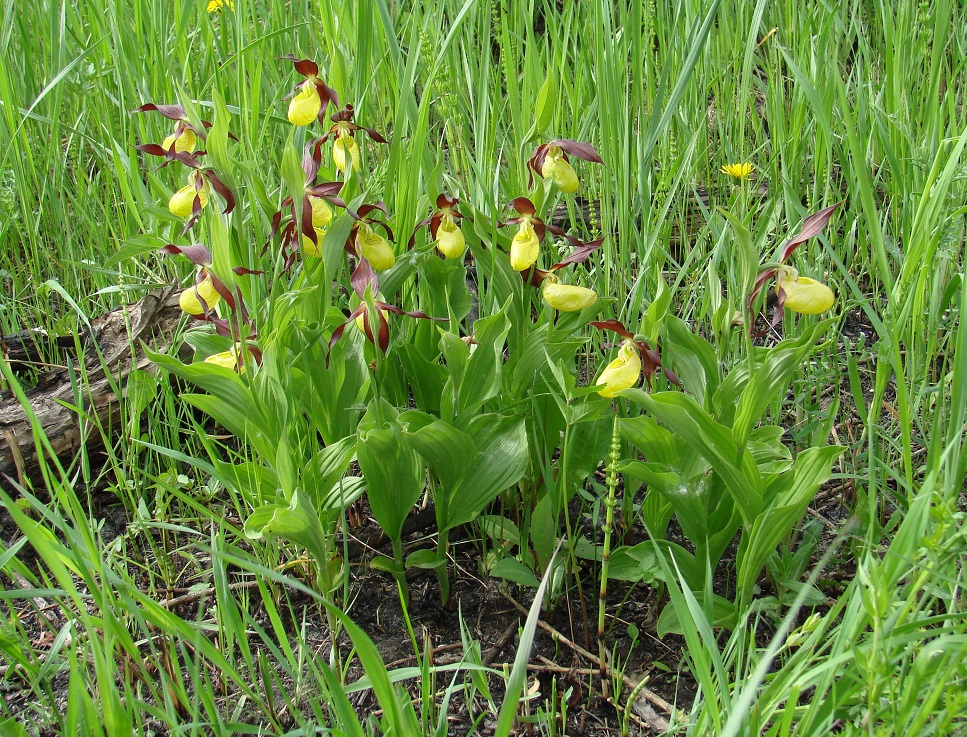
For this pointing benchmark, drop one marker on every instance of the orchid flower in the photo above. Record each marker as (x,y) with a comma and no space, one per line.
(184,137)
(525,248)
(312,97)
(345,150)
(634,357)
(445,227)
(566,297)
(798,293)
(550,161)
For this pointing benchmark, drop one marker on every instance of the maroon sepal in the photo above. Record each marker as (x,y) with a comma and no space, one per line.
(363,276)
(534,276)
(811,227)
(760,281)
(197,253)
(219,187)
(651,362)
(171,112)
(169,155)
(615,326)
(524,206)
(242,271)
(568,146)
(223,291)
(580,253)
(376,136)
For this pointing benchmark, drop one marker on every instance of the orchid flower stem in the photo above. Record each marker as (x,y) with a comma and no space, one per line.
(572,559)
(609,505)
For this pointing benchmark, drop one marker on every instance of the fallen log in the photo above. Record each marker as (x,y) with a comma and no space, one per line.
(112,349)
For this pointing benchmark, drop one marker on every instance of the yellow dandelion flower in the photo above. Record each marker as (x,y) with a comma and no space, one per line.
(740,172)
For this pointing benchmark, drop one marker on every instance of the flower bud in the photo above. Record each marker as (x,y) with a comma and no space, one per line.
(622,373)
(374,248)
(803,295)
(525,248)
(449,239)
(304,107)
(182,202)
(566,298)
(189,301)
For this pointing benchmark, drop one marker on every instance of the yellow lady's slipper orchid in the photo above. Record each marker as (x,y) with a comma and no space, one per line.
(566,298)
(374,248)
(560,170)
(525,248)
(449,238)
(219,5)
(622,373)
(228,359)
(182,202)
(313,249)
(184,140)
(305,106)
(345,143)
(803,295)
(321,213)
(189,301)
(739,172)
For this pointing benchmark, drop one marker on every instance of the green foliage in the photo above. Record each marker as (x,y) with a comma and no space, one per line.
(489,411)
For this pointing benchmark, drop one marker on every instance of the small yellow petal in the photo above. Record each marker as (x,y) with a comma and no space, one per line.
(218,5)
(525,248)
(304,107)
(622,373)
(566,298)
(803,295)
(321,213)
(182,202)
(185,141)
(449,239)
(190,303)
(375,249)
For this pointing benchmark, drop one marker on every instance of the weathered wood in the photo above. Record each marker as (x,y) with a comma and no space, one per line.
(112,351)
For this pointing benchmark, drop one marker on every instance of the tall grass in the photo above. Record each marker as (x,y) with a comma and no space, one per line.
(861,102)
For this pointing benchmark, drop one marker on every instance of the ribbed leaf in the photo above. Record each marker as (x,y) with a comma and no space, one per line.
(473,466)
